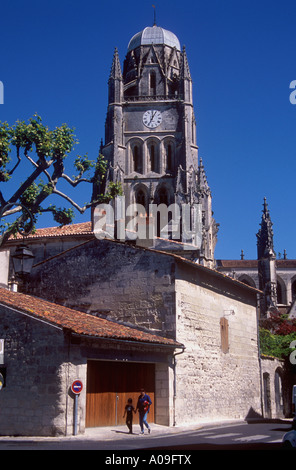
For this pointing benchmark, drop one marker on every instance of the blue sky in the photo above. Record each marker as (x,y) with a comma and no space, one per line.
(56,57)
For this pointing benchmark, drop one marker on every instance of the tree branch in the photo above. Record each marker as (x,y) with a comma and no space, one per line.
(73,203)
(77,180)
(15,166)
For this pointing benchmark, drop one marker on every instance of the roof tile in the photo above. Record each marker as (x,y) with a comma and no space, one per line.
(83,228)
(78,322)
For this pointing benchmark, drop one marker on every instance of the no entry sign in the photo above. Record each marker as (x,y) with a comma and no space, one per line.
(77,387)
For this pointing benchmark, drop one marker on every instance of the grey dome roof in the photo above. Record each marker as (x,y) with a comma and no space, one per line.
(154,35)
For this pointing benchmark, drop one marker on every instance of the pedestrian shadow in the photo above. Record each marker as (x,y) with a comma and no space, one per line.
(125,432)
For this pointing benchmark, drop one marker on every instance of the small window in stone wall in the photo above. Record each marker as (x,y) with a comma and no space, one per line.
(224,335)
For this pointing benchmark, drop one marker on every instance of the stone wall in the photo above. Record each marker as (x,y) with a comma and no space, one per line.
(276,393)
(212,384)
(41,363)
(112,280)
(35,400)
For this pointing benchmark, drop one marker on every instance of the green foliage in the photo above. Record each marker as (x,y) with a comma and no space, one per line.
(114,189)
(5,138)
(83,164)
(47,150)
(54,144)
(63,216)
(276,334)
(63,141)
(275,345)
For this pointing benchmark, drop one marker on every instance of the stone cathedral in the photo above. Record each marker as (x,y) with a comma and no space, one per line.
(150,133)
(118,315)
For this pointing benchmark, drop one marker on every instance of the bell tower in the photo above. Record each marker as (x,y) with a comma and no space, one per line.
(150,132)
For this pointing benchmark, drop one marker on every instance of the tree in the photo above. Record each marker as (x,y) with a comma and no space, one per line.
(47,151)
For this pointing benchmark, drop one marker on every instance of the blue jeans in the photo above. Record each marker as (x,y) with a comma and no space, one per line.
(143,421)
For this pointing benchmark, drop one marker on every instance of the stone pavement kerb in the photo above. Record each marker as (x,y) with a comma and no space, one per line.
(121,432)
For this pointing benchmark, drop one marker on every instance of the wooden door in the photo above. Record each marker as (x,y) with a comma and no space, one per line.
(110,384)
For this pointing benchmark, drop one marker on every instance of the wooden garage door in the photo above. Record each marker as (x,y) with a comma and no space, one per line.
(110,384)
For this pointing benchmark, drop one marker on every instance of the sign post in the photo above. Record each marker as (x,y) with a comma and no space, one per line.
(1,351)
(76,388)
(294,399)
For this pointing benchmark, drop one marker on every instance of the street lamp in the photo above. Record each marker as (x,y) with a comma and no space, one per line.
(22,261)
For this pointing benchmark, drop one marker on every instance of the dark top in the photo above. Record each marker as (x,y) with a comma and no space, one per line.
(129,410)
(144,403)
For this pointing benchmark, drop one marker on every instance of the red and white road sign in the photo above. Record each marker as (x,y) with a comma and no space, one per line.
(77,386)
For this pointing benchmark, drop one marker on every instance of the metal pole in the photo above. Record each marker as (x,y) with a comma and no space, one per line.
(75,414)
(116,408)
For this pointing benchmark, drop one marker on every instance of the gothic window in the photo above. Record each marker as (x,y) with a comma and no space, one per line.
(163,196)
(140,198)
(152,83)
(279,293)
(169,158)
(224,335)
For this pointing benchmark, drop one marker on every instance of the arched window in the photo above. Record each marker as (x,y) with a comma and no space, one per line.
(281,291)
(137,159)
(247,280)
(152,158)
(278,389)
(266,395)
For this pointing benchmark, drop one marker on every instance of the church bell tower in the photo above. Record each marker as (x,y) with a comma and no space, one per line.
(150,131)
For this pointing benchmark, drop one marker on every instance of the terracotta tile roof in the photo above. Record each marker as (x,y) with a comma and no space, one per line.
(78,322)
(237,263)
(83,228)
(286,263)
(253,263)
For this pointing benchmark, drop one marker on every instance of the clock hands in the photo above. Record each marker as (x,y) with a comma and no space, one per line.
(153,114)
(152,118)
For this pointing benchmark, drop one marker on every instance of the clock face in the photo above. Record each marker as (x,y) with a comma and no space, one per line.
(152,118)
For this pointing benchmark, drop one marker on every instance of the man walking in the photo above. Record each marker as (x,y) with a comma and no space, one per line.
(143,405)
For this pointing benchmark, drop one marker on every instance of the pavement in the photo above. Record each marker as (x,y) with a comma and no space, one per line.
(221,435)
(121,432)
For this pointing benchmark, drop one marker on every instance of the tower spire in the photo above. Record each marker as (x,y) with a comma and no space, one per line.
(266,263)
(265,234)
(154,15)
(201,177)
(115,72)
